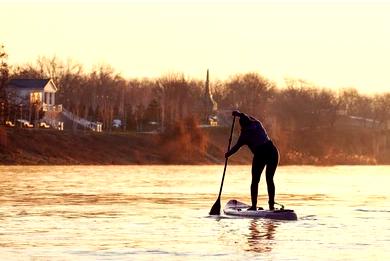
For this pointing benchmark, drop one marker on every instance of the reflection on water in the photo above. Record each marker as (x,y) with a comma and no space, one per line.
(261,235)
(250,235)
(161,212)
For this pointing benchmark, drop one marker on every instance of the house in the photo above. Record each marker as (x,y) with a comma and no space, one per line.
(31,100)
(34,101)
(33,91)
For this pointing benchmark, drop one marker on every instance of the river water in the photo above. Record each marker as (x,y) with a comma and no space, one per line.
(161,213)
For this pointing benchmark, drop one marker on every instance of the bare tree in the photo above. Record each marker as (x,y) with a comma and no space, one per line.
(180,98)
(250,93)
(303,105)
(381,108)
(4,73)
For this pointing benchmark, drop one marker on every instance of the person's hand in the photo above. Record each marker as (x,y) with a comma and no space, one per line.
(236,113)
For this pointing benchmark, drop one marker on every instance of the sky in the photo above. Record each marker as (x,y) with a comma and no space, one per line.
(333,44)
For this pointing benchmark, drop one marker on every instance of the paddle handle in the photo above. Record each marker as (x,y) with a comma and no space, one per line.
(226,159)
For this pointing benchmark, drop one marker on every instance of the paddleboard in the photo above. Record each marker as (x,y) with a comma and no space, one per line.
(237,208)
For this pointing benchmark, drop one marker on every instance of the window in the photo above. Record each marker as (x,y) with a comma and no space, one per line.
(35,97)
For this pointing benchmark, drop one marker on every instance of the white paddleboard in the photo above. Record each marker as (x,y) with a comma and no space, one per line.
(237,208)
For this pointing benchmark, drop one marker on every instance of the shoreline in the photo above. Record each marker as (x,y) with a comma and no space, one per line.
(51,147)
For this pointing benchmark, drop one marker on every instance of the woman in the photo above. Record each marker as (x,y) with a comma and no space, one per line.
(264,152)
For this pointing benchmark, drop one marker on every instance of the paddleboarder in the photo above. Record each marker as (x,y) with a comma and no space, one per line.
(265,154)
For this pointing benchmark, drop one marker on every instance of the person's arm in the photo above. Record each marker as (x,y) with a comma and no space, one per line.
(235,148)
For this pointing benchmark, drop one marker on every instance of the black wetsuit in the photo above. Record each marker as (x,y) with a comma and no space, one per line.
(264,152)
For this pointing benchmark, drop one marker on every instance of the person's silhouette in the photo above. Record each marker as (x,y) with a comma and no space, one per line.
(265,154)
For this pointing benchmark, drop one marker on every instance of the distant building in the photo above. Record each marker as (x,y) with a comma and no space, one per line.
(33,91)
(210,106)
(32,101)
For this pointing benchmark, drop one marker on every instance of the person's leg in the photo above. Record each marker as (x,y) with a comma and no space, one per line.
(272,164)
(258,165)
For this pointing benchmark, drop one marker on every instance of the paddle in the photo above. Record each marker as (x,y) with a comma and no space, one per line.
(216,208)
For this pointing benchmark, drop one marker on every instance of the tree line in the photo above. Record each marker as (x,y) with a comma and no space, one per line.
(104,95)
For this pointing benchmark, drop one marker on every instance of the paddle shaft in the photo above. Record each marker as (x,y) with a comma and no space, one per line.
(226,159)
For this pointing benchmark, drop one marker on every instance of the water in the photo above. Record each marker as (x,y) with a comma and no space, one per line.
(161,213)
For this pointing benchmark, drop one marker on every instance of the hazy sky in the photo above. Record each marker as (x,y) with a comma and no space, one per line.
(330,43)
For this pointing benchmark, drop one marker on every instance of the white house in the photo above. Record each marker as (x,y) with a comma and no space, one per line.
(32,91)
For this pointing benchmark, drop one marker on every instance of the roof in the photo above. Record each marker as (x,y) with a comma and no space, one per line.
(29,83)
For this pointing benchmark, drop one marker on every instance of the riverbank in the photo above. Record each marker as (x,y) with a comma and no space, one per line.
(201,146)
(46,147)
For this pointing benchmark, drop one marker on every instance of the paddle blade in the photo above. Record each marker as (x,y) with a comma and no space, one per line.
(216,208)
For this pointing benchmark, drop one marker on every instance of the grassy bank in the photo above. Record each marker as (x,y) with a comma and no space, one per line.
(35,146)
(201,146)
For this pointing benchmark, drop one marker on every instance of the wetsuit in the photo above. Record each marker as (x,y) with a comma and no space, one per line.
(254,135)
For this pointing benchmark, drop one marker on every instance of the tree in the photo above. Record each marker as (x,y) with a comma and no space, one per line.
(153,111)
(180,98)
(302,105)
(250,93)
(355,104)
(381,108)
(4,73)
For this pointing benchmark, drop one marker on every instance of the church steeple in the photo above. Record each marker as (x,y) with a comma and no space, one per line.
(207,83)
(210,106)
